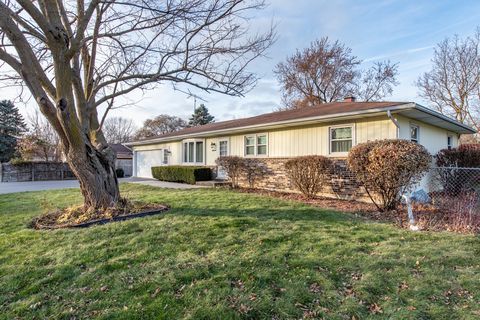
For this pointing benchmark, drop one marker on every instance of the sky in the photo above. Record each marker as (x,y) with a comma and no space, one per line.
(403,31)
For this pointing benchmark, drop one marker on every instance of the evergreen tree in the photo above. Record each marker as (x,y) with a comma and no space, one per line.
(12,126)
(200,117)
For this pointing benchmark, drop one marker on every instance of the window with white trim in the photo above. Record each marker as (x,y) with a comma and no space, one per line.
(166,153)
(449,142)
(341,139)
(262,145)
(193,151)
(223,148)
(256,145)
(414,133)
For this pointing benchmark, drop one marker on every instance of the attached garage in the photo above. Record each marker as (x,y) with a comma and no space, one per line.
(145,160)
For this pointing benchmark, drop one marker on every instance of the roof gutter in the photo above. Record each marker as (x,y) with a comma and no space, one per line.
(441,116)
(303,121)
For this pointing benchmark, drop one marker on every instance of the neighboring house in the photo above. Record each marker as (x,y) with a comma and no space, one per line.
(124,158)
(330,129)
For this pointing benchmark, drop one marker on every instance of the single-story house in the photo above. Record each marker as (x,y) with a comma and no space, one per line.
(330,129)
(124,158)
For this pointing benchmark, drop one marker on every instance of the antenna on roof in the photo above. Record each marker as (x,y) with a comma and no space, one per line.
(195,97)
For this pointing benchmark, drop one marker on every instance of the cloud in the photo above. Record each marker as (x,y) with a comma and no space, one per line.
(399,53)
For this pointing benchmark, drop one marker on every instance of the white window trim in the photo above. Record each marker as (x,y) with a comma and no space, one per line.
(413,125)
(450,137)
(228,145)
(194,151)
(166,153)
(354,142)
(255,145)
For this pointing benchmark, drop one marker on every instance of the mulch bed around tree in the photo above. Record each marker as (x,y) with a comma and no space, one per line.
(77,217)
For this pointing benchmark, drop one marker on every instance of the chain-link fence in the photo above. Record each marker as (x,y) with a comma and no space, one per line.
(453,181)
(455,192)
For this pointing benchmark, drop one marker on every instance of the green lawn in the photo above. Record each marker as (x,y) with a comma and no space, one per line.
(223,255)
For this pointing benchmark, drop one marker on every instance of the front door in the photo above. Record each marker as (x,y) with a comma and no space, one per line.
(222,152)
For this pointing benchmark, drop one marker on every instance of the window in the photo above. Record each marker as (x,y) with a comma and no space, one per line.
(223,148)
(250,145)
(341,139)
(449,142)
(199,151)
(256,145)
(414,133)
(262,145)
(165,156)
(193,152)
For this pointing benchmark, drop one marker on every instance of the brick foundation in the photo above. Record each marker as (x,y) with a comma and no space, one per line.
(342,184)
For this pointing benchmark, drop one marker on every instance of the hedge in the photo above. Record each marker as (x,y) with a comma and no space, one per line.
(186,174)
(120,173)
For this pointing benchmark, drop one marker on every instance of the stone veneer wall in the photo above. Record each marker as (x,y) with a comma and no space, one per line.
(342,184)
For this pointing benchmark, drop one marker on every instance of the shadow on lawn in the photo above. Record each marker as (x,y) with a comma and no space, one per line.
(258,207)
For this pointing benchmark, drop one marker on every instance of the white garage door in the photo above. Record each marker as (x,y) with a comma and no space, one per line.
(146,160)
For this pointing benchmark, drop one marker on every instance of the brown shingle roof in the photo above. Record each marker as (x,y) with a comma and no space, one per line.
(121,151)
(326,109)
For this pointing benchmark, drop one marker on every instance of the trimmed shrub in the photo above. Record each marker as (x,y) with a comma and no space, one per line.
(466,155)
(185,174)
(120,173)
(234,167)
(253,169)
(309,174)
(388,168)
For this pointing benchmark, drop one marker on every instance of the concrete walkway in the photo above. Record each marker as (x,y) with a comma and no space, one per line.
(12,187)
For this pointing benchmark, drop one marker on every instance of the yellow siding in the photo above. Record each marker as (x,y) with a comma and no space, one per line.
(433,138)
(299,141)
(314,139)
(286,142)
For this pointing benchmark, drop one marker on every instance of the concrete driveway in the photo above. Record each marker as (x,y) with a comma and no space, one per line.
(12,187)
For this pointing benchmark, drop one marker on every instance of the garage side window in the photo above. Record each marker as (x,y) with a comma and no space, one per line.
(166,152)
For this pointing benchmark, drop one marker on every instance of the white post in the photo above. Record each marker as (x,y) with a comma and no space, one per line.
(134,169)
(411,218)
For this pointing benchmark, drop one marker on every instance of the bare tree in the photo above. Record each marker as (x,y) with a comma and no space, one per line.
(378,81)
(328,71)
(118,129)
(75,56)
(452,86)
(160,125)
(45,137)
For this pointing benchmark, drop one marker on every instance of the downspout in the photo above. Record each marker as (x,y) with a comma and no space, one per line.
(395,122)
(406,197)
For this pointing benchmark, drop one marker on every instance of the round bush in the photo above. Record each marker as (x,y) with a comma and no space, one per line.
(309,174)
(388,168)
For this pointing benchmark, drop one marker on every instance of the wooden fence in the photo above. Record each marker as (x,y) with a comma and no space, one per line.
(35,171)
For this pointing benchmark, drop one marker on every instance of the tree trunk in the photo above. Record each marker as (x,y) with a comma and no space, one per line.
(95,171)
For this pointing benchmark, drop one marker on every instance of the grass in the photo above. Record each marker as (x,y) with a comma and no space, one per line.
(224,255)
